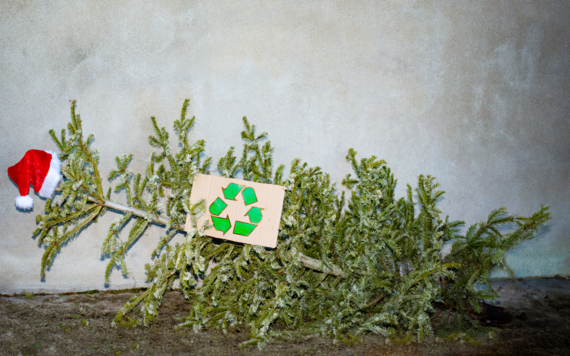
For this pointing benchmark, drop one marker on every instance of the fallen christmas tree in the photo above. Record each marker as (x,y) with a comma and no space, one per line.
(343,266)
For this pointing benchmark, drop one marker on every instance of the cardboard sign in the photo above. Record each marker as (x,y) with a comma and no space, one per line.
(239,210)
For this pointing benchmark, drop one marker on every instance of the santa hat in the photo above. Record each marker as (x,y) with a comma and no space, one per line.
(42,169)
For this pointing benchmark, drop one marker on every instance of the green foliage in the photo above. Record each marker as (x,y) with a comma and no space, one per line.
(81,196)
(345,264)
(482,248)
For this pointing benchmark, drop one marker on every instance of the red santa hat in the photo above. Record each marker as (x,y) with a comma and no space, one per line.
(42,169)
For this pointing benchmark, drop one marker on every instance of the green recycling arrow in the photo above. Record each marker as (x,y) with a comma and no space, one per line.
(232,190)
(217,207)
(249,196)
(254,214)
(243,229)
(221,224)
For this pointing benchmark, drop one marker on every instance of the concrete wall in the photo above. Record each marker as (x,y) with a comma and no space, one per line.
(473,92)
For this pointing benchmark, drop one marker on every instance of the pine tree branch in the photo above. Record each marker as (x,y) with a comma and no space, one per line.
(318,265)
(306,261)
(134,211)
(373,303)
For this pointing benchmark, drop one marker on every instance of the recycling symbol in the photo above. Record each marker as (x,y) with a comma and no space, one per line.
(240,227)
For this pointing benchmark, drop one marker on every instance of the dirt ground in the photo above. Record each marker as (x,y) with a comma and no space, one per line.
(79,324)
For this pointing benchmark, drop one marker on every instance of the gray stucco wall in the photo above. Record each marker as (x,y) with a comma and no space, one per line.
(473,92)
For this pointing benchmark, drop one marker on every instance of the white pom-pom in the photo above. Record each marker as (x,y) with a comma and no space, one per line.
(24,202)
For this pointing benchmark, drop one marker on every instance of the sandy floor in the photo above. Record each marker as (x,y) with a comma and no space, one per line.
(80,325)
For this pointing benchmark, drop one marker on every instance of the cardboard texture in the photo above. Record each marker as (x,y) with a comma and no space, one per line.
(239,210)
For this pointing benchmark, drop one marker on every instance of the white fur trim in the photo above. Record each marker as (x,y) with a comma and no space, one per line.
(24,202)
(52,178)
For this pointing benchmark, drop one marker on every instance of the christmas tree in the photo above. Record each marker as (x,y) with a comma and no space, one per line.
(344,265)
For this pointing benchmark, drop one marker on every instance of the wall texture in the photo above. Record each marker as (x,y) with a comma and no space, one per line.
(473,92)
